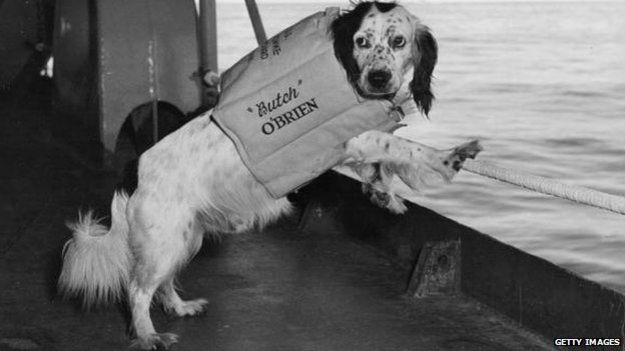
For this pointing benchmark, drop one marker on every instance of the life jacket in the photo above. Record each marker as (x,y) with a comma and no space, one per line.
(289,108)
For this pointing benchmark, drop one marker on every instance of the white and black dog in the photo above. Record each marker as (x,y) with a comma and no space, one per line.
(193,181)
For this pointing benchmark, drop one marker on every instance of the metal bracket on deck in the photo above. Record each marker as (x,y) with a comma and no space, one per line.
(437,272)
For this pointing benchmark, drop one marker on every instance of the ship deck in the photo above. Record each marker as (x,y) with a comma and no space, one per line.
(285,288)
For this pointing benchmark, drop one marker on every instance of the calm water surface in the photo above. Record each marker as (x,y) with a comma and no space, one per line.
(542,84)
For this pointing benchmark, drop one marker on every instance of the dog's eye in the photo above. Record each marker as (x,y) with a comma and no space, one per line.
(398,42)
(362,42)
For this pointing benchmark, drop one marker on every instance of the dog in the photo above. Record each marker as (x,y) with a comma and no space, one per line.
(194,182)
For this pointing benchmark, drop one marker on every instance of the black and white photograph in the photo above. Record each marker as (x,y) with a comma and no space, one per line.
(301,175)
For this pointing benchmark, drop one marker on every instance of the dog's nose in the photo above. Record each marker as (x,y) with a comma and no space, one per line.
(379,78)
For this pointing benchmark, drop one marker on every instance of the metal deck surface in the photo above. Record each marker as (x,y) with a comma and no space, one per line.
(282,289)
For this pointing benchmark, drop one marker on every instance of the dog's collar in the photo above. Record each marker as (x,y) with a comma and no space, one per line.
(402,103)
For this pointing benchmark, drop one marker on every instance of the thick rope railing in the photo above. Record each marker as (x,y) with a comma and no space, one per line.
(548,186)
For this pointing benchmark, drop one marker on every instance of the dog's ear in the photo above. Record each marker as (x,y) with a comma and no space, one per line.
(425,54)
(342,30)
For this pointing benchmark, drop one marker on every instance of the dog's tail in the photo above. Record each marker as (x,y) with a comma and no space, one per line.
(97,261)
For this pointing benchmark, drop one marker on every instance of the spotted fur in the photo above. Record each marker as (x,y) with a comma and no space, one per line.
(193,183)
(379,24)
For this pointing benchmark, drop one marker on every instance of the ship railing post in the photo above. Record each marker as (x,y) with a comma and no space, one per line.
(257,23)
(208,43)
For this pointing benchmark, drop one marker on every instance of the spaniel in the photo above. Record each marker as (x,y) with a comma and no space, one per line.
(194,182)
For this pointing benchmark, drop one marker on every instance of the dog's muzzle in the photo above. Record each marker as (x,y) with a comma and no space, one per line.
(378,79)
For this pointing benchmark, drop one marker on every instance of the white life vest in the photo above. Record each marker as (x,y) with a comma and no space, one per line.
(289,108)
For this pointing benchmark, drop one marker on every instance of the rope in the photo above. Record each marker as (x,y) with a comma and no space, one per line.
(548,186)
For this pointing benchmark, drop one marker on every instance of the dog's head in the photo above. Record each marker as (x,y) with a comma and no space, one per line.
(378,44)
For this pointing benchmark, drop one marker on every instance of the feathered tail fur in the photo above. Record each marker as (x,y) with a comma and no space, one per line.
(97,260)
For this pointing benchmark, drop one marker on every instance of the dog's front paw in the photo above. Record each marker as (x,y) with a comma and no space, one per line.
(396,205)
(376,196)
(452,163)
(384,199)
(156,341)
(464,151)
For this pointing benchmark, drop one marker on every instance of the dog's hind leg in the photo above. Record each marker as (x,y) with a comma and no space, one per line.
(146,337)
(160,248)
(174,304)
(169,297)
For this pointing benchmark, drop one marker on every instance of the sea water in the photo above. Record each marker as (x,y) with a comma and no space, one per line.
(542,84)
